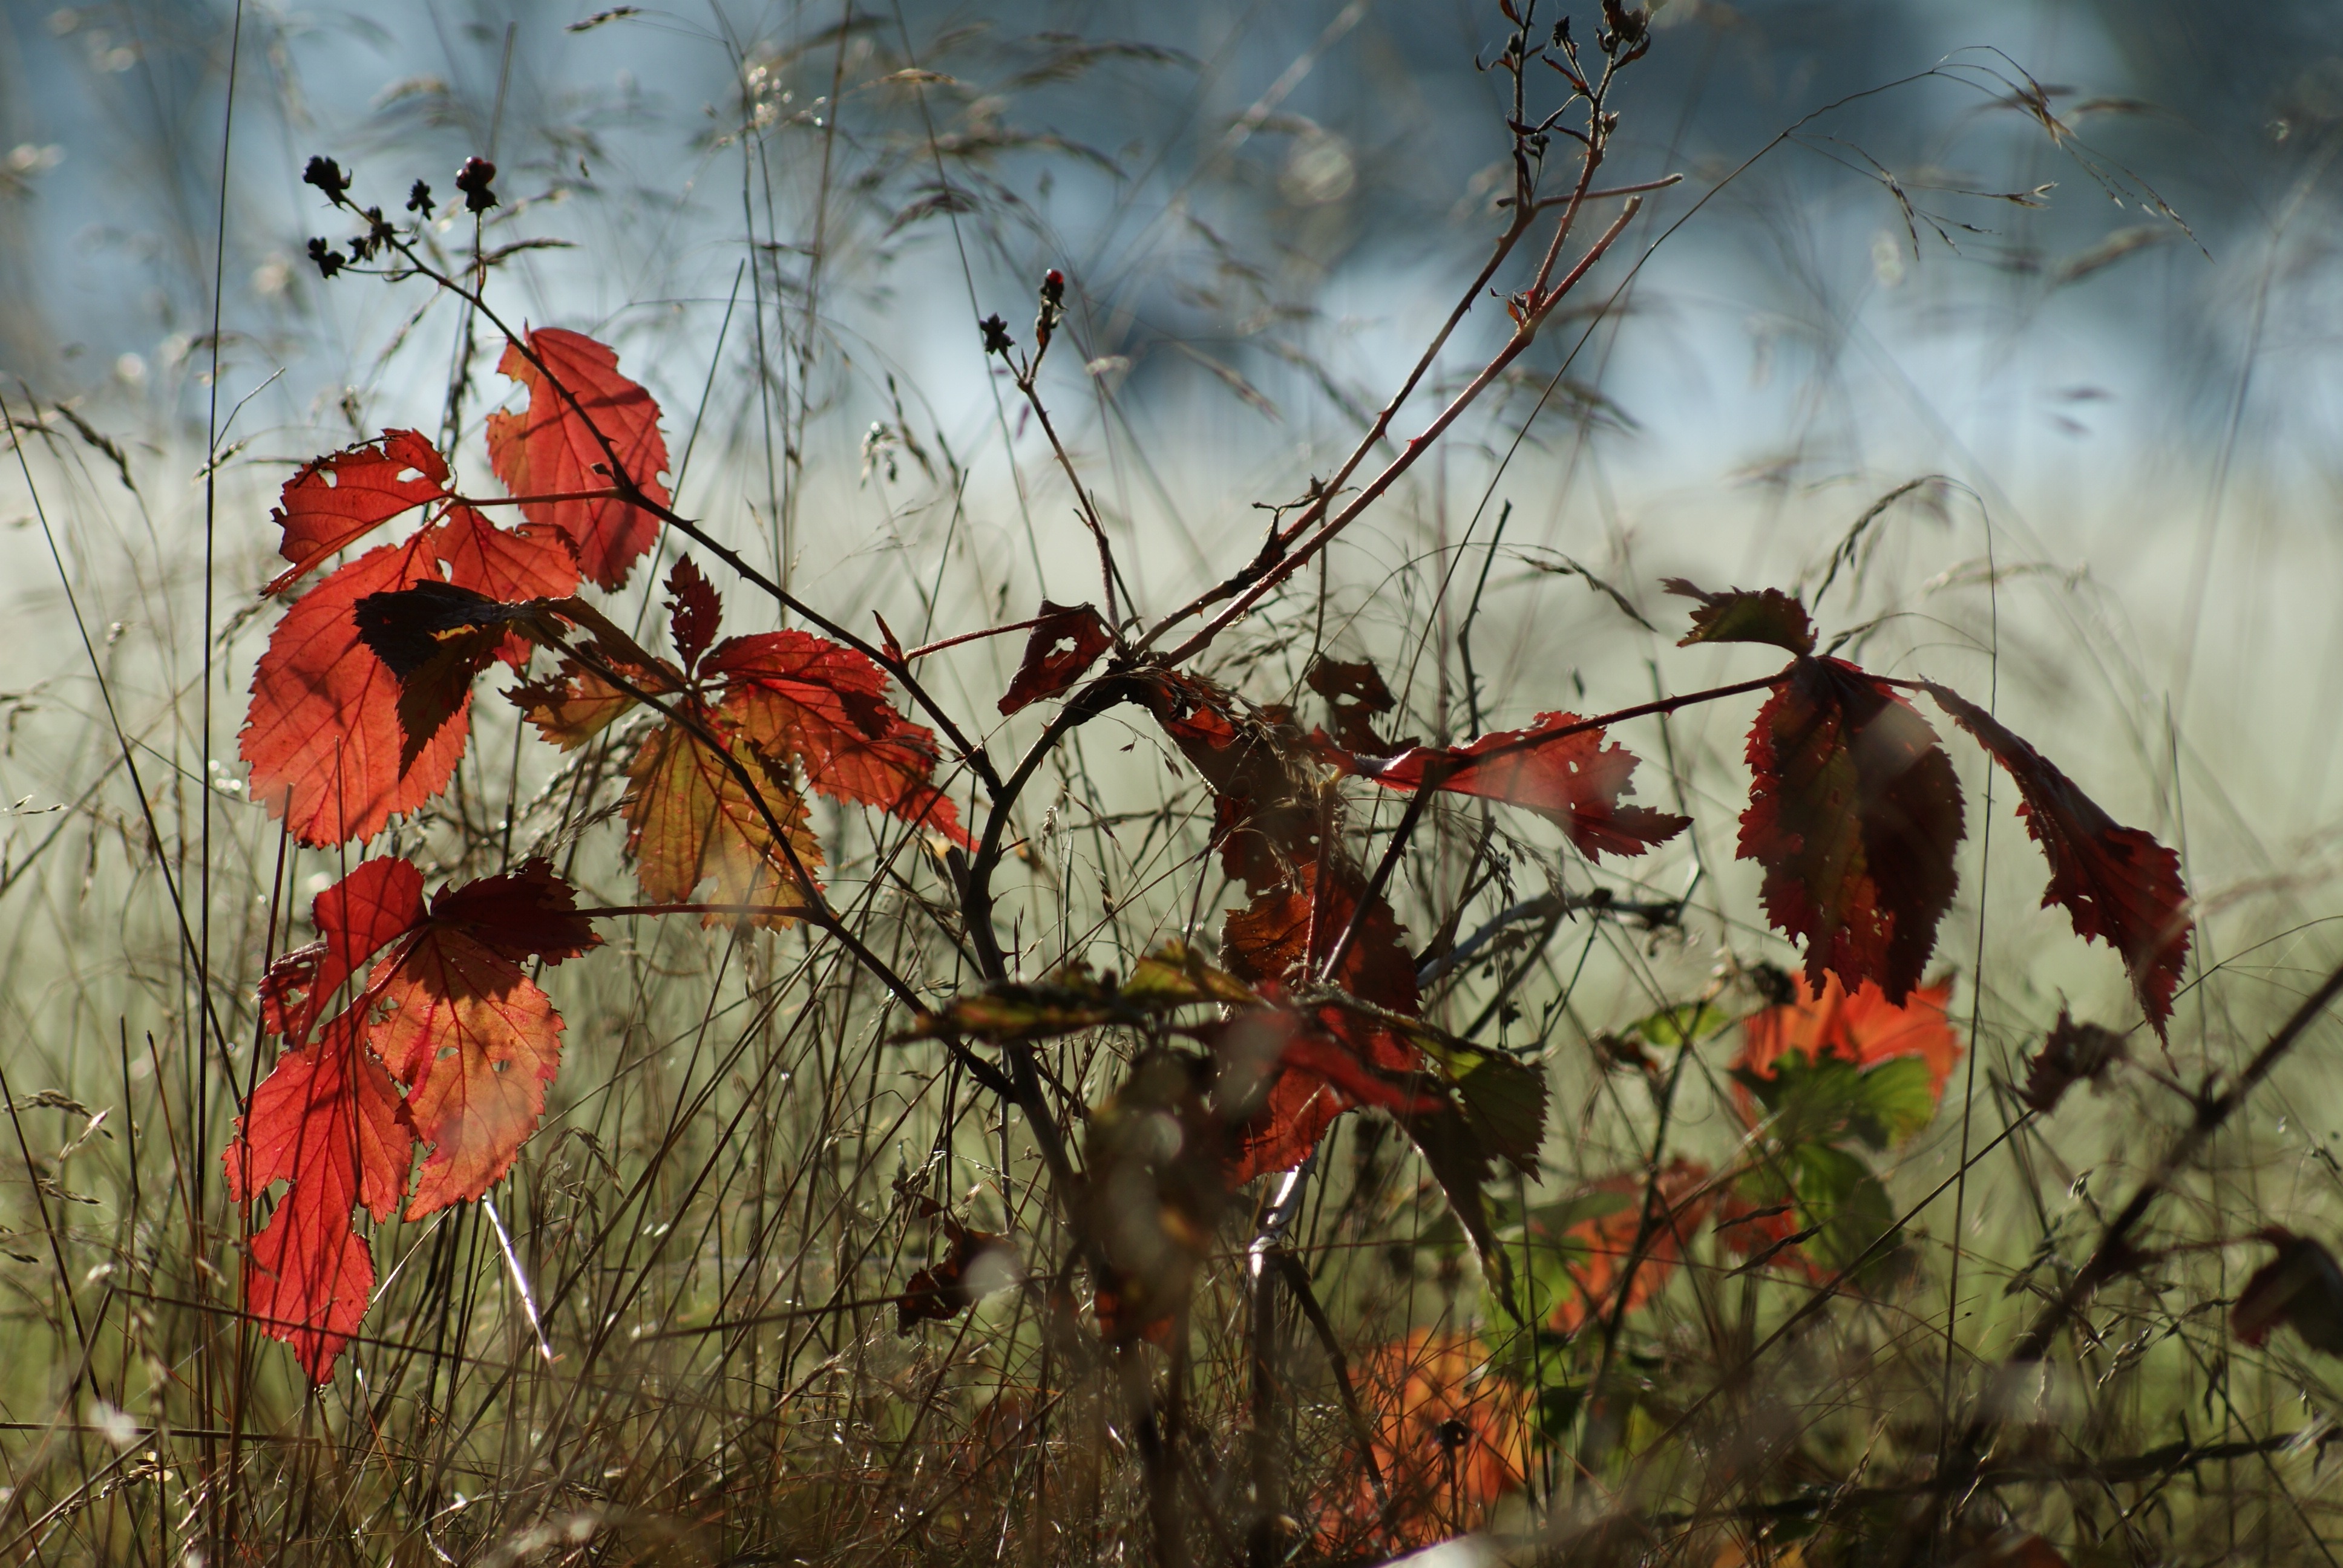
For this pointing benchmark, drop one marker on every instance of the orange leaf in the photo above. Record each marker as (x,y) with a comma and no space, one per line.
(475,1043)
(1678,1206)
(803,697)
(1067,642)
(692,820)
(1864,1028)
(577,424)
(1572,778)
(1854,811)
(338,500)
(2116,884)
(1448,1435)
(531,561)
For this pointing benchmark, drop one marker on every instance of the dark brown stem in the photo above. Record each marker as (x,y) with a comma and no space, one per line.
(1524,336)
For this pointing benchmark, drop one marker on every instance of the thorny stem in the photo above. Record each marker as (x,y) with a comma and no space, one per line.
(1087,509)
(1524,336)
(1265,572)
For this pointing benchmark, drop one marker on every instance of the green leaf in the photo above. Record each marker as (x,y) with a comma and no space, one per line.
(1747,615)
(1825,1101)
(1173,976)
(1687,1024)
(1838,1192)
(1503,1099)
(1893,1101)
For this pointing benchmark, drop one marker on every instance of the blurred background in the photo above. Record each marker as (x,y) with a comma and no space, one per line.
(2070,259)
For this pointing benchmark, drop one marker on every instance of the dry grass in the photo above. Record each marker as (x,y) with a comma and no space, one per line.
(670,1335)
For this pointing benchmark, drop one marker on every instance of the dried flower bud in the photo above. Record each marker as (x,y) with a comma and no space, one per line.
(327,176)
(329,261)
(996,334)
(473,179)
(418,199)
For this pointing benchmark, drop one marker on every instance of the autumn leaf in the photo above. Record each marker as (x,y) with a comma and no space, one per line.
(576,704)
(1597,1232)
(329,1121)
(378,902)
(338,500)
(1066,641)
(1747,615)
(1556,767)
(804,698)
(529,561)
(323,735)
(1861,1028)
(1854,812)
(329,750)
(446,1015)
(2302,1287)
(1355,693)
(2116,884)
(474,1041)
(582,414)
(2073,1052)
(694,610)
(974,1263)
(1278,942)
(691,819)
(1448,1439)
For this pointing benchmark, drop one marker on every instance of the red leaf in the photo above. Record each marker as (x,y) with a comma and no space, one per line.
(1864,1028)
(1854,811)
(323,734)
(943,1291)
(329,1121)
(528,913)
(340,499)
(559,447)
(330,750)
(1279,941)
(1358,697)
(449,1011)
(2302,1286)
(1067,642)
(694,610)
(1572,778)
(2117,884)
(1747,615)
(378,903)
(531,561)
(801,698)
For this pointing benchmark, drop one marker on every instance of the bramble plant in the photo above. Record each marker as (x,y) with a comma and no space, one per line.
(419,1034)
